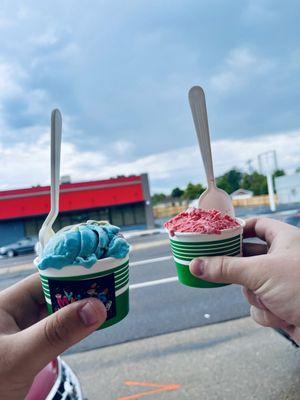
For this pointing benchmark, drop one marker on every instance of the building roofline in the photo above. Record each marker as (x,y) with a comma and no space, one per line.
(71,187)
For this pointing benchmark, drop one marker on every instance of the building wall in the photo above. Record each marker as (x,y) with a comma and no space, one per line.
(123,201)
(128,216)
(11,231)
(147,197)
(74,196)
(288,188)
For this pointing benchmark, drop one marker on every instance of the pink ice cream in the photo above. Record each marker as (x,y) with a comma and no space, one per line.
(200,221)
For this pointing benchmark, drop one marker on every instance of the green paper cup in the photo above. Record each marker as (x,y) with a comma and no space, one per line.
(188,245)
(107,280)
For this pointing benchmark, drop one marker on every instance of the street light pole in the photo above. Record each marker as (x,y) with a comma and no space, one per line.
(271,192)
(268,164)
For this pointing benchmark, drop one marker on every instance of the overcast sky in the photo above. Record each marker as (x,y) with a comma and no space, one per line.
(120,71)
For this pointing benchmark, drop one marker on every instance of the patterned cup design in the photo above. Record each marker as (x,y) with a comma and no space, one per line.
(107,280)
(187,246)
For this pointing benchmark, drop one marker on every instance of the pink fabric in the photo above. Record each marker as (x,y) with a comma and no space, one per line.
(200,221)
(43,382)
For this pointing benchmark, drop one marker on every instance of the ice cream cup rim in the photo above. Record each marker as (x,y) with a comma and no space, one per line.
(241,222)
(104,260)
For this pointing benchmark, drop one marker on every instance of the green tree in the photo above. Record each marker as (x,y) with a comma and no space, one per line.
(297,170)
(255,182)
(158,198)
(222,183)
(177,193)
(279,172)
(193,191)
(230,181)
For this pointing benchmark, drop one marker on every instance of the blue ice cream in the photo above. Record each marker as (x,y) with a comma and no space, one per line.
(83,244)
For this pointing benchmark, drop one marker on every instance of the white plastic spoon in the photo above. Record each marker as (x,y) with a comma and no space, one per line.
(46,230)
(212,197)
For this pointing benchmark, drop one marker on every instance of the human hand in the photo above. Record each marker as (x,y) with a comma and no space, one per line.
(271,281)
(29,341)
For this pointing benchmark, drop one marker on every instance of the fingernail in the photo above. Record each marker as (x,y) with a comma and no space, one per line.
(88,314)
(197,267)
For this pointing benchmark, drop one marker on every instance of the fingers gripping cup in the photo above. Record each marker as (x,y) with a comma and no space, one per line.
(202,233)
(87,260)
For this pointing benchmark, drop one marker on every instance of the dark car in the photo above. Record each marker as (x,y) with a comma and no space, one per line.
(293,219)
(25,245)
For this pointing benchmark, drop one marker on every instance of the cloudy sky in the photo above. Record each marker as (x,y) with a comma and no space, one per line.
(120,71)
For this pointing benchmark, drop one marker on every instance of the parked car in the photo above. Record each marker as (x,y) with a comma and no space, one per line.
(293,219)
(25,245)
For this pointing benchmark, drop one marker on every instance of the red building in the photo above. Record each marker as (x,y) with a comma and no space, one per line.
(124,201)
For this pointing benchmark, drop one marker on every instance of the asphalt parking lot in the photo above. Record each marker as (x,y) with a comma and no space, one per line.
(177,342)
(159,304)
(233,360)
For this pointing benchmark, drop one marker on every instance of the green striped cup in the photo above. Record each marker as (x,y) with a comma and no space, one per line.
(107,280)
(188,245)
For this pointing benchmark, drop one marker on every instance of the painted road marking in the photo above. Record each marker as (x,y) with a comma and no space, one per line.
(150,261)
(143,284)
(153,283)
(142,246)
(16,269)
(28,267)
(156,389)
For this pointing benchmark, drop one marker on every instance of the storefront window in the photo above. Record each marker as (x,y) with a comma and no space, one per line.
(104,214)
(116,216)
(94,215)
(139,211)
(57,225)
(121,216)
(66,220)
(32,226)
(128,215)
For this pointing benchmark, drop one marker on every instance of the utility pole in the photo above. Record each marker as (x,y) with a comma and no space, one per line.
(260,165)
(250,166)
(271,192)
(275,160)
(268,165)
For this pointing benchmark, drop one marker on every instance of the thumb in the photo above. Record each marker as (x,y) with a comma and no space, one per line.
(250,272)
(44,341)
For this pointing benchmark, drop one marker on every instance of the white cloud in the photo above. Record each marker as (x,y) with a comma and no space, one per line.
(49,38)
(122,147)
(24,12)
(259,11)
(76,67)
(10,76)
(239,68)
(5,22)
(28,164)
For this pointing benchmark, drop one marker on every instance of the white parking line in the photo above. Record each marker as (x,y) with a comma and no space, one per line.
(30,266)
(150,261)
(153,283)
(17,268)
(143,246)
(134,264)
